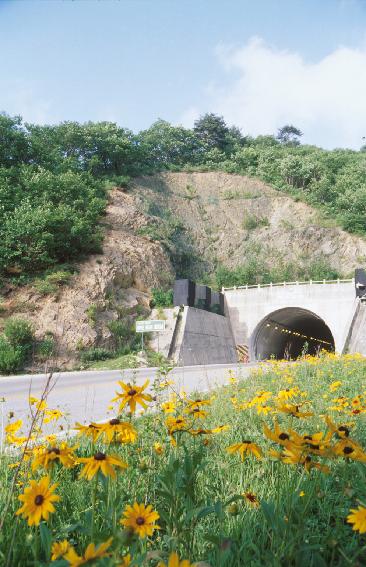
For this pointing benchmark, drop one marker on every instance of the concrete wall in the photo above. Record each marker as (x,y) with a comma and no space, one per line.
(335,303)
(357,337)
(202,338)
(160,341)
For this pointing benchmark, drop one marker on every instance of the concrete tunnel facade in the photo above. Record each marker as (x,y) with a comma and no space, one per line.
(323,311)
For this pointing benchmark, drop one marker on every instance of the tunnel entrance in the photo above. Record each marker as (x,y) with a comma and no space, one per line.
(288,333)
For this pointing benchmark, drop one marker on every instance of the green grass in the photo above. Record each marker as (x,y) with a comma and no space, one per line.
(197,487)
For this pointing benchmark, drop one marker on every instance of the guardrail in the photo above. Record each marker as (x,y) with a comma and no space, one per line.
(284,284)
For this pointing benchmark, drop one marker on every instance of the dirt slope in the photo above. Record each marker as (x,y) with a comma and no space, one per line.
(218,211)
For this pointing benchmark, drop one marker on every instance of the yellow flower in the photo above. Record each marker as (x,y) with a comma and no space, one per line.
(12,428)
(126,561)
(349,450)
(53,415)
(176,424)
(91,430)
(301,493)
(278,436)
(245,447)
(341,431)
(335,385)
(47,457)
(132,395)
(38,501)
(100,462)
(294,410)
(140,519)
(90,554)
(117,430)
(358,519)
(220,428)
(174,561)
(288,393)
(59,548)
(251,499)
(196,412)
(168,407)
(158,448)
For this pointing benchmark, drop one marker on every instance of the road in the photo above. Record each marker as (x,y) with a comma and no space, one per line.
(85,395)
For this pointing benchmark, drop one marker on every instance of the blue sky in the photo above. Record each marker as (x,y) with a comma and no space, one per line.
(260,63)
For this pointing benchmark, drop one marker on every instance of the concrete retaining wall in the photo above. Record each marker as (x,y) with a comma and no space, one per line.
(357,338)
(203,338)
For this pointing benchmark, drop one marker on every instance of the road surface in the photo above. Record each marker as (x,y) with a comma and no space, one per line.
(85,396)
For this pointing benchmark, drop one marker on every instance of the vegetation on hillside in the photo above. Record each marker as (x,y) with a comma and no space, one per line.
(53,180)
(266,471)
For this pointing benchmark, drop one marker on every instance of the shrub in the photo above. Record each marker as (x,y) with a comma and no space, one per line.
(46,347)
(11,358)
(161,298)
(95,354)
(45,287)
(61,277)
(19,333)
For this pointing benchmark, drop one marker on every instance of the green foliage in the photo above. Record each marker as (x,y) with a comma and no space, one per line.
(19,332)
(161,297)
(95,354)
(45,349)
(256,270)
(11,357)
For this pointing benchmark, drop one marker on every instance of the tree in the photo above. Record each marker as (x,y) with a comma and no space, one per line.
(213,131)
(289,135)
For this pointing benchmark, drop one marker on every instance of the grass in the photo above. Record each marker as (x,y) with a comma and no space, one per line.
(120,362)
(197,486)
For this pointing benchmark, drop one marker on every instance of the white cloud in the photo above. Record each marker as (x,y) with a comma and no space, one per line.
(268,88)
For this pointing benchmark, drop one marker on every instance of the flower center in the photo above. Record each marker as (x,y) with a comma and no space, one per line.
(246,441)
(100,456)
(283,436)
(114,421)
(195,410)
(309,437)
(344,430)
(251,497)
(179,421)
(39,500)
(55,450)
(132,392)
(140,521)
(347,450)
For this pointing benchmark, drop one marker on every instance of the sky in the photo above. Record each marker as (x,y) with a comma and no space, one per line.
(259,63)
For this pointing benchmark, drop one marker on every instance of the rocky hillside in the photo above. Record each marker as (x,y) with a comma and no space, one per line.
(198,221)
(231,217)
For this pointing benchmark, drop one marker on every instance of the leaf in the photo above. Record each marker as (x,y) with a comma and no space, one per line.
(46,538)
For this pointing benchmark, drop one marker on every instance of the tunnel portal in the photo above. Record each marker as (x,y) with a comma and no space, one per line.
(288,333)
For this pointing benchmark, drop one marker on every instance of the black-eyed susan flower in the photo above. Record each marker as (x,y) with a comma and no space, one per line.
(59,548)
(61,453)
(251,499)
(244,448)
(278,435)
(168,407)
(91,430)
(158,448)
(340,431)
(100,462)
(294,410)
(174,561)
(132,395)
(357,517)
(12,428)
(52,415)
(196,412)
(140,519)
(38,501)
(349,450)
(117,430)
(91,554)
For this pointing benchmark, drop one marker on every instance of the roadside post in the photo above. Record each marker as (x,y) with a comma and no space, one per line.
(149,326)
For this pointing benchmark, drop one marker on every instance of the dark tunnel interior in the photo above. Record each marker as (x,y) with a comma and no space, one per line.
(288,333)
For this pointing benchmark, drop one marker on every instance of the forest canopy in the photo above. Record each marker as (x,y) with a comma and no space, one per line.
(53,178)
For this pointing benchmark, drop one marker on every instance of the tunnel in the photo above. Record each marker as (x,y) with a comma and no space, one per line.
(288,333)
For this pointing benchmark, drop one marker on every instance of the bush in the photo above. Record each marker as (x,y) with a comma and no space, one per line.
(45,287)
(46,347)
(161,298)
(95,354)
(19,333)
(11,358)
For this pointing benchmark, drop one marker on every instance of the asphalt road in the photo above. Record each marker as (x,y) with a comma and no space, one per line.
(85,396)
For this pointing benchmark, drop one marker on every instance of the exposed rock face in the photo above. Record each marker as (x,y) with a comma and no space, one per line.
(122,275)
(213,206)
